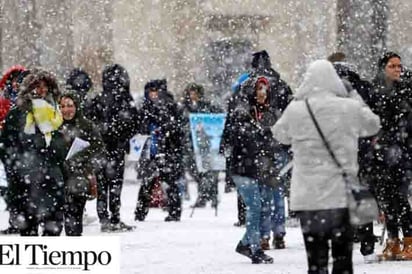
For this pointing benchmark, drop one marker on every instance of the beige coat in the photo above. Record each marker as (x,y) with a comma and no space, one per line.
(317,182)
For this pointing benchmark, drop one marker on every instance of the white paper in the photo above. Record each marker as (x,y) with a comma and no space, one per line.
(137,145)
(3,180)
(77,146)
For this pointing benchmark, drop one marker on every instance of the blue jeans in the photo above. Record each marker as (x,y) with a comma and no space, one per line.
(277,220)
(259,202)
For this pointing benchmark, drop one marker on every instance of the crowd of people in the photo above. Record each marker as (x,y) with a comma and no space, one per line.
(267,127)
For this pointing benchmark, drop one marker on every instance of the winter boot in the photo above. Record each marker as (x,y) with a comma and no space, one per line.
(239,224)
(140,213)
(172,218)
(406,253)
(392,249)
(264,244)
(279,242)
(261,258)
(105,226)
(121,227)
(243,250)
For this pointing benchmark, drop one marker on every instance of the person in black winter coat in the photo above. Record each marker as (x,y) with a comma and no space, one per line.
(35,148)
(80,82)
(115,115)
(392,154)
(9,85)
(78,169)
(194,102)
(160,119)
(247,137)
(279,97)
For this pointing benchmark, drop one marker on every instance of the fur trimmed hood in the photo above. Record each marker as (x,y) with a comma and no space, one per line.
(31,81)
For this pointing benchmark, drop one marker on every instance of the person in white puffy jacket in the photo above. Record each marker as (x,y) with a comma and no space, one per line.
(318,192)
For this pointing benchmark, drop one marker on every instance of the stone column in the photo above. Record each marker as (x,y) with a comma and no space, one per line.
(362,29)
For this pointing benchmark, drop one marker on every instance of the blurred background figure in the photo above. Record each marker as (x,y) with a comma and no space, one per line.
(194,101)
(115,114)
(160,119)
(347,72)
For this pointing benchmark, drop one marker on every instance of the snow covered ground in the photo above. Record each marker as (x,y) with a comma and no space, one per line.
(204,244)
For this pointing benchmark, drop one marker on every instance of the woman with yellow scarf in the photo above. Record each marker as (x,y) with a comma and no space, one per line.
(32,143)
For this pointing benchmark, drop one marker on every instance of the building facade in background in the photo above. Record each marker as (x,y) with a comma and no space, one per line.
(206,41)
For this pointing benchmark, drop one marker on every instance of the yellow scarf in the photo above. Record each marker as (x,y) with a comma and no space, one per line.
(45,116)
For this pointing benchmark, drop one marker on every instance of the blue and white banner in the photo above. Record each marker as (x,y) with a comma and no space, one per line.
(206,131)
(137,145)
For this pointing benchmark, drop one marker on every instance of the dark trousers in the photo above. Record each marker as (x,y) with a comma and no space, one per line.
(367,238)
(318,228)
(110,183)
(208,185)
(73,215)
(174,202)
(42,201)
(392,194)
(53,225)
(13,195)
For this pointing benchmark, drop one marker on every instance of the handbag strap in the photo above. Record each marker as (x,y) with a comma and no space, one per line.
(322,136)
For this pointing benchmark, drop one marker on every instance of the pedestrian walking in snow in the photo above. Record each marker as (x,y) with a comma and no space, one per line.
(160,118)
(194,102)
(391,154)
(318,191)
(115,114)
(9,84)
(35,145)
(80,82)
(78,170)
(249,140)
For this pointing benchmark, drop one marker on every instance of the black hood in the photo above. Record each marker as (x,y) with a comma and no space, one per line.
(161,86)
(261,60)
(31,81)
(79,81)
(115,79)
